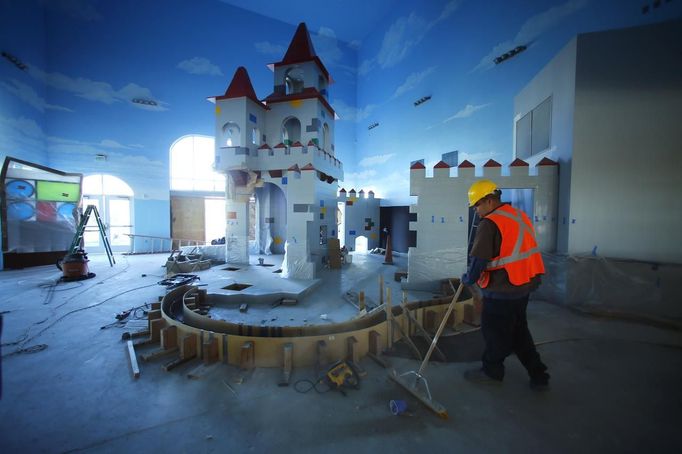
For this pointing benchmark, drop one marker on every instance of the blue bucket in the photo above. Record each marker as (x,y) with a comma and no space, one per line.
(397,407)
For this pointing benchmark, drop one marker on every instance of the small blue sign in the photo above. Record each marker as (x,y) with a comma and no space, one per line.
(253,118)
(351,232)
(284,180)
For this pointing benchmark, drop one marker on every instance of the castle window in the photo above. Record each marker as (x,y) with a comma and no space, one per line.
(533,130)
(255,136)
(293,79)
(291,131)
(231,135)
(326,145)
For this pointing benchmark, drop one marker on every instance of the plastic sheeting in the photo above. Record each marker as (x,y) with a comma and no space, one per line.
(612,285)
(432,267)
(237,249)
(296,267)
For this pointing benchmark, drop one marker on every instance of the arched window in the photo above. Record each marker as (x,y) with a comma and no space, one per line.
(291,131)
(322,85)
(293,79)
(326,145)
(231,135)
(255,136)
(191,165)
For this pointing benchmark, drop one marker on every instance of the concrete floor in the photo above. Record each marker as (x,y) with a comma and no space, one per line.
(615,388)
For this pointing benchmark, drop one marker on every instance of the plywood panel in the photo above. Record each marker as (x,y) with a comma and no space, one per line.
(188,218)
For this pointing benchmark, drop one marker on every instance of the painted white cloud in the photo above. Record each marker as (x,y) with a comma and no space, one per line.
(267,48)
(200,66)
(359,177)
(97,91)
(412,81)
(351,113)
(371,161)
(21,137)
(27,94)
(403,36)
(530,30)
(466,111)
(108,143)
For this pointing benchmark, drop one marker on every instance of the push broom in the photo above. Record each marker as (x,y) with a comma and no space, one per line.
(405,380)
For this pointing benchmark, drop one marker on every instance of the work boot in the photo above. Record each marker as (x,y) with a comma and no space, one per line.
(479,376)
(540,383)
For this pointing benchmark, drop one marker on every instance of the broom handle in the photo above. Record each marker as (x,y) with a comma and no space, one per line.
(440,328)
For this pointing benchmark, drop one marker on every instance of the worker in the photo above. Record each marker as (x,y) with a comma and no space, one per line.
(506,264)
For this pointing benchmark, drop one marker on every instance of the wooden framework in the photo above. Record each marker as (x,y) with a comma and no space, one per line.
(199,336)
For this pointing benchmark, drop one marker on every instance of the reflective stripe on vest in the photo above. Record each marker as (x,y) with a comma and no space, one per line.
(521,266)
(516,255)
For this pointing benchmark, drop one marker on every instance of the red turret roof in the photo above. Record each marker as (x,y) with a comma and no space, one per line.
(311,143)
(308,166)
(241,87)
(442,165)
(492,163)
(280,145)
(417,165)
(465,163)
(546,162)
(342,190)
(518,163)
(301,50)
(297,144)
(265,146)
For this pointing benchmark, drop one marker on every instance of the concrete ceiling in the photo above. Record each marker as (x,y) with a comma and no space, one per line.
(351,20)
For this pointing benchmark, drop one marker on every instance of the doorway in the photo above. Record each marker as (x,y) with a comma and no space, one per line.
(113,199)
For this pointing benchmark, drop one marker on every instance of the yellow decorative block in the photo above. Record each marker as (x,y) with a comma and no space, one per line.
(296,103)
(277,240)
(217,110)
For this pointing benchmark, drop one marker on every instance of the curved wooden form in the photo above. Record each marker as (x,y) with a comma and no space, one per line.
(273,346)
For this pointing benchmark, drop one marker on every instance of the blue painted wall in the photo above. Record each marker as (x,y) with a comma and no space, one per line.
(445,49)
(88,59)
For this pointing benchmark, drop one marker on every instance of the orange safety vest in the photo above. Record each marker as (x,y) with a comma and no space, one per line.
(519,253)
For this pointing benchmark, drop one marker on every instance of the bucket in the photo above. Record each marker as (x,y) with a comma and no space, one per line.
(397,407)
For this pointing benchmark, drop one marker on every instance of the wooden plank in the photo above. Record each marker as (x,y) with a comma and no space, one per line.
(156,306)
(160,353)
(133,360)
(169,337)
(128,335)
(176,363)
(353,355)
(188,346)
(288,355)
(155,329)
(153,315)
(210,349)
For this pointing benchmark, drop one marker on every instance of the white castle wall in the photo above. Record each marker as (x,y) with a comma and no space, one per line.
(442,214)
(361,218)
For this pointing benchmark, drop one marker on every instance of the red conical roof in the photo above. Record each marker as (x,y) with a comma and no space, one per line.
(301,50)
(241,87)
(301,46)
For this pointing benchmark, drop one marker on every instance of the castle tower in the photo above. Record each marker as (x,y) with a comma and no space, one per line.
(280,151)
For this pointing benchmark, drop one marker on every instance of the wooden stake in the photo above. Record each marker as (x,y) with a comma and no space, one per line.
(155,328)
(248,358)
(169,337)
(188,346)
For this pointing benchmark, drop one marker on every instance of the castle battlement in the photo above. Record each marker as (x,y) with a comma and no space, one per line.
(441,216)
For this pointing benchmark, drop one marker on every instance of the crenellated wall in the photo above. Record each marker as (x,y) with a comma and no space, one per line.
(441,216)
(361,218)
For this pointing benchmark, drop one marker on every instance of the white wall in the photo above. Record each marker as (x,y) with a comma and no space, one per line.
(557,80)
(627,160)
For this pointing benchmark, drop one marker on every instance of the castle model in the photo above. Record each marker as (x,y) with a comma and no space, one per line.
(279,152)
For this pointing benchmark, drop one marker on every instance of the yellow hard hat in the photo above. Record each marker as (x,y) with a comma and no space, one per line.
(479,190)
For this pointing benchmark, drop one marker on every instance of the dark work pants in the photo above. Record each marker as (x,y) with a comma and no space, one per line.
(505,330)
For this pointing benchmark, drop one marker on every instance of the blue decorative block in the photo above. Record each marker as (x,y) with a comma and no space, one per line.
(253,118)
(284,180)
(351,232)
(321,203)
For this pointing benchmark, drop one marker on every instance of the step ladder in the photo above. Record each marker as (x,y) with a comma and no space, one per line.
(76,243)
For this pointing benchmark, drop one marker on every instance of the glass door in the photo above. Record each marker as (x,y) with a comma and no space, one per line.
(115,214)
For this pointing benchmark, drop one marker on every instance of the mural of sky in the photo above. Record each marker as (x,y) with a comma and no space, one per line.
(128,78)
